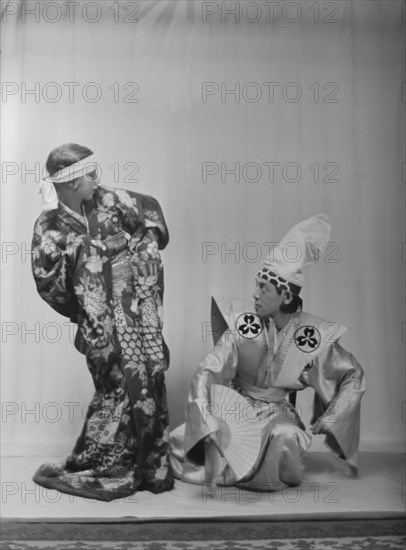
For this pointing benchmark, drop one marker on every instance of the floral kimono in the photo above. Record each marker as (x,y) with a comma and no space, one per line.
(264,366)
(103,270)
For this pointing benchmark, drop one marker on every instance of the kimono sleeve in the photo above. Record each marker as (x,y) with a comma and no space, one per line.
(339,383)
(141,212)
(219,367)
(51,267)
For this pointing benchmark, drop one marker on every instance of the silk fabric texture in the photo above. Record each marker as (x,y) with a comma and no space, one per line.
(253,368)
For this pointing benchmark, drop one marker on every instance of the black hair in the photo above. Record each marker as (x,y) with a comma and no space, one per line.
(64,156)
(295,304)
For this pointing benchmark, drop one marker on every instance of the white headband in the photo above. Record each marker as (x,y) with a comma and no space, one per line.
(67,174)
(80,168)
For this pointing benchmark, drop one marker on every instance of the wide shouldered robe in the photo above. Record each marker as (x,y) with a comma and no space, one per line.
(103,270)
(264,366)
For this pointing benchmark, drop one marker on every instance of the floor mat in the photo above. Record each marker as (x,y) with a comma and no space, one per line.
(346,543)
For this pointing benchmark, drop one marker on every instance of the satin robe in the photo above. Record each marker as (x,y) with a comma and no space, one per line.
(264,365)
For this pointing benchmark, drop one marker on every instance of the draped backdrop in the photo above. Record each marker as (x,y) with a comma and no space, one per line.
(241,118)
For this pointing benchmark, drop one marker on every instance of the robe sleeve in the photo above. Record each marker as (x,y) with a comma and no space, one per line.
(219,367)
(140,212)
(52,268)
(60,270)
(74,278)
(339,383)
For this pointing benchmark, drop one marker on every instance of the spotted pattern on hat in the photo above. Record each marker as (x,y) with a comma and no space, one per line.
(280,283)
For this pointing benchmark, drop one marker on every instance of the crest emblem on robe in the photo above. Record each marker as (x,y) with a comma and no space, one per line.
(307,338)
(249,325)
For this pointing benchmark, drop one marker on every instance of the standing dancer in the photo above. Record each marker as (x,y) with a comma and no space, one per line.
(95,259)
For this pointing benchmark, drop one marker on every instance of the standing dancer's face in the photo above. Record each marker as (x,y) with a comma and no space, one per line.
(87,185)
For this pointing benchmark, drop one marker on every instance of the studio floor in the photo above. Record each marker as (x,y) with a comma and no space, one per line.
(327,492)
(328,511)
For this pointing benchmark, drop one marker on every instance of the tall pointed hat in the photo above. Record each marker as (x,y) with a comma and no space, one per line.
(304,244)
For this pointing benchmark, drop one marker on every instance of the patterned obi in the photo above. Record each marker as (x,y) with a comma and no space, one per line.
(137,275)
(270,395)
(125,309)
(117,246)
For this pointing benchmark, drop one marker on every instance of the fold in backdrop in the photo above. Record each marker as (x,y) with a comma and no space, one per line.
(241,118)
